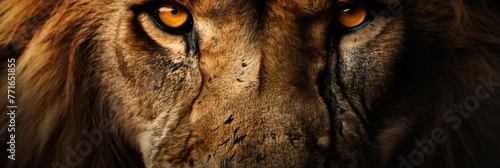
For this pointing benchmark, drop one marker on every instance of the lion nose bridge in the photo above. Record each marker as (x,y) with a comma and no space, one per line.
(254,111)
(259,103)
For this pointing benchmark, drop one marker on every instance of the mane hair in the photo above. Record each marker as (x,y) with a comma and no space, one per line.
(454,48)
(57,96)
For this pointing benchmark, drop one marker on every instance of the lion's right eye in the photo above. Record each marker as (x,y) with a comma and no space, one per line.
(172,18)
(353,15)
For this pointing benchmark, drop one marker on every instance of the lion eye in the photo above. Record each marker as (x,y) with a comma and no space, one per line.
(352,15)
(172,15)
(172,18)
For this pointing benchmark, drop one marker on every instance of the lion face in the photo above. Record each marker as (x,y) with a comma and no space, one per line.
(229,85)
(240,84)
(185,83)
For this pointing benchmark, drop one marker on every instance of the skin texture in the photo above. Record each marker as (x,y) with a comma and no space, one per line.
(254,84)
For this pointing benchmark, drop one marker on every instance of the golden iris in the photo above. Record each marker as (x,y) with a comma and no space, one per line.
(353,15)
(172,15)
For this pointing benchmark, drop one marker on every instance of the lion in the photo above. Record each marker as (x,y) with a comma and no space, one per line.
(234,83)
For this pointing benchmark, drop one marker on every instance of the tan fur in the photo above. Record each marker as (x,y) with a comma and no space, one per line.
(254,84)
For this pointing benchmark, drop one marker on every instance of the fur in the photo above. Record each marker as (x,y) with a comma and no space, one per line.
(255,83)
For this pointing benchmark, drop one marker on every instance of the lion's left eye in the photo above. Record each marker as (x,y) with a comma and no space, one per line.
(172,18)
(172,15)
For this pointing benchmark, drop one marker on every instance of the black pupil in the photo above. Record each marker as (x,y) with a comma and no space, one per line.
(350,10)
(174,11)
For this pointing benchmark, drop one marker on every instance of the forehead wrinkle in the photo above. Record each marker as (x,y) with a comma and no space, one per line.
(319,5)
(218,8)
(311,6)
(307,7)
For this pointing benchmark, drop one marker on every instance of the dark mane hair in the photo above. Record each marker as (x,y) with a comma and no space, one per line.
(454,49)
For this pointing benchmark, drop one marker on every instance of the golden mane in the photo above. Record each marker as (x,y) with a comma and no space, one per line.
(56,98)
